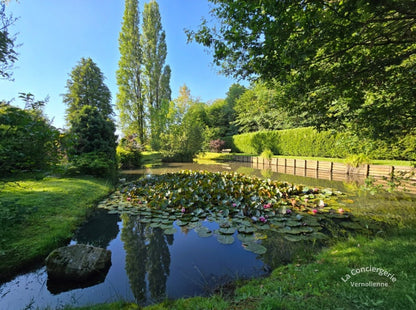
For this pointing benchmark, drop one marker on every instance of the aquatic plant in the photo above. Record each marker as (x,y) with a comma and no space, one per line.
(238,203)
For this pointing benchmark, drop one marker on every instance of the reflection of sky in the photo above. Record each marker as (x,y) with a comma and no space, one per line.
(195,263)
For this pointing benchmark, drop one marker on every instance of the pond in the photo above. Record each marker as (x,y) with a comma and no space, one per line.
(152,261)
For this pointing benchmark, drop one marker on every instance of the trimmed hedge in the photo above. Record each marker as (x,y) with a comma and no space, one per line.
(309,142)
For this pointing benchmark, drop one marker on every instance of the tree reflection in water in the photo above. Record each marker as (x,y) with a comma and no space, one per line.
(146,252)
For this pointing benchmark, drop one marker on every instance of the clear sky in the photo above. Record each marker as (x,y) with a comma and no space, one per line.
(55,34)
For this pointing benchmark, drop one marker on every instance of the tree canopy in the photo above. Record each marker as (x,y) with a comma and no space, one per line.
(8,53)
(91,142)
(86,87)
(344,64)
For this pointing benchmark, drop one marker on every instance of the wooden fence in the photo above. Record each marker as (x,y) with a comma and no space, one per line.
(314,168)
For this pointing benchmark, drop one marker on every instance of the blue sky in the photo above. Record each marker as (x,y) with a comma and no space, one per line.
(56,34)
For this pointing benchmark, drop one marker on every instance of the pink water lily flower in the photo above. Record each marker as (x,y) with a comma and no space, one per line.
(262,219)
(183,210)
(341,210)
(288,211)
(267,206)
(128,198)
(234,204)
(314,211)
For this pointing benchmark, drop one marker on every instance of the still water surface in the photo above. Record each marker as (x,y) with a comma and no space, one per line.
(148,266)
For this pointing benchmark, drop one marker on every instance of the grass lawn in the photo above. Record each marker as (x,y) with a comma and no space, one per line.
(150,159)
(39,215)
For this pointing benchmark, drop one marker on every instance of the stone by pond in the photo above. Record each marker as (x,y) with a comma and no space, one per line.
(181,244)
(76,266)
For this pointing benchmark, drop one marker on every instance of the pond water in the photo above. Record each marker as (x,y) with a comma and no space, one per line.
(149,265)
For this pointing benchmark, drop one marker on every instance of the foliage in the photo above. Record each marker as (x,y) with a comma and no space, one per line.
(129,153)
(260,108)
(310,142)
(236,202)
(356,160)
(27,140)
(267,154)
(86,87)
(216,145)
(342,64)
(91,142)
(8,55)
(130,100)
(186,121)
(39,215)
(93,146)
(156,76)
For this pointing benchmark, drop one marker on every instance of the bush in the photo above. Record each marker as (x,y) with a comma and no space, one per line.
(129,153)
(310,142)
(27,140)
(96,164)
(267,154)
(216,145)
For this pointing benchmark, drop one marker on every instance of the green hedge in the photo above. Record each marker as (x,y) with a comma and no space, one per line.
(309,142)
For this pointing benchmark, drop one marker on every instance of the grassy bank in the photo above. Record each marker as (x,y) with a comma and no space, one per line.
(323,284)
(40,215)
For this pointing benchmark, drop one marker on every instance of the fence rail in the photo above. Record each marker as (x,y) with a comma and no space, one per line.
(308,166)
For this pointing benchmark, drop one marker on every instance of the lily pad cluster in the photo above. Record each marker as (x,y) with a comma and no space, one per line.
(244,207)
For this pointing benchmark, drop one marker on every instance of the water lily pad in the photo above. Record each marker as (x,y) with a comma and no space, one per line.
(203,231)
(351,225)
(181,223)
(145,220)
(294,238)
(298,230)
(227,231)
(255,248)
(225,239)
(293,223)
(246,229)
(245,238)
(170,231)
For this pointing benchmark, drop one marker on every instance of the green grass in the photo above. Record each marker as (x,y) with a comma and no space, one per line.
(151,159)
(212,158)
(40,215)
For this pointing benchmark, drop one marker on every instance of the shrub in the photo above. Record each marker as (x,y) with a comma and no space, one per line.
(310,142)
(93,163)
(27,140)
(267,154)
(128,153)
(216,145)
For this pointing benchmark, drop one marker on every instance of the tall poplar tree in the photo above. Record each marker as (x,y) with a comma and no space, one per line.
(130,101)
(156,76)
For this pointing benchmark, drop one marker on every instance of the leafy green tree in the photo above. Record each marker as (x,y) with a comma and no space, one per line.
(8,55)
(156,77)
(259,108)
(186,123)
(348,64)
(86,87)
(92,142)
(28,141)
(130,99)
